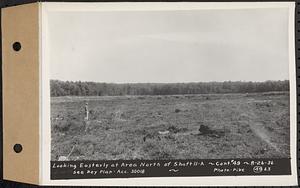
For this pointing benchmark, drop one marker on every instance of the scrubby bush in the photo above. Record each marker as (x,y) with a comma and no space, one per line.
(67,125)
(174,129)
(177,110)
(159,149)
(62,126)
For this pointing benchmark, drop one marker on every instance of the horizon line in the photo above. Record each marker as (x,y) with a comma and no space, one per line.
(244,81)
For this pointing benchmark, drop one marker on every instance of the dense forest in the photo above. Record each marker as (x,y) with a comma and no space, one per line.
(78,88)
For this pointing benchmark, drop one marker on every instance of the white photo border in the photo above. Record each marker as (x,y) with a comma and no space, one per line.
(45,131)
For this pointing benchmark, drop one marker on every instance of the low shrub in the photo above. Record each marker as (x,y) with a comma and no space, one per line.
(177,110)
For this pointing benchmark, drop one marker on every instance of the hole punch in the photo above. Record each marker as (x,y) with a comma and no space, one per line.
(17,46)
(18,148)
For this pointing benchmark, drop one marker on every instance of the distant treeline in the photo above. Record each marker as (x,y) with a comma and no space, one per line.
(78,88)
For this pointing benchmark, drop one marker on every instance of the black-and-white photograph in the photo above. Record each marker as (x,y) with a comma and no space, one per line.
(169,84)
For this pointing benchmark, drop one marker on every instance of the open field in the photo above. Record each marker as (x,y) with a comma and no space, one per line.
(167,127)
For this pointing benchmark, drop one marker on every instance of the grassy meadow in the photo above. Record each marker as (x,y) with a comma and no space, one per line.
(253,125)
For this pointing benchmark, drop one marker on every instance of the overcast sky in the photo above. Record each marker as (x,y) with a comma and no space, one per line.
(169,46)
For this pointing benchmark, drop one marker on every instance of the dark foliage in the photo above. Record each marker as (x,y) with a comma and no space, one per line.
(78,88)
